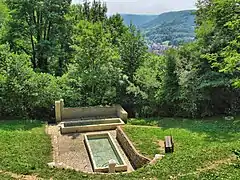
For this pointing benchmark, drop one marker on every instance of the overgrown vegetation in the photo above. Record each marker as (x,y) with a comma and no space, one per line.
(53,49)
(203,150)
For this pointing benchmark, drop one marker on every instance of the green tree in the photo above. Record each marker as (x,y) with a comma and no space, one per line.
(96,62)
(187,68)
(148,80)
(218,33)
(38,29)
(3,13)
(117,28)
(170,89)
(132,51)
(203,90)
(24,93)
(95,11)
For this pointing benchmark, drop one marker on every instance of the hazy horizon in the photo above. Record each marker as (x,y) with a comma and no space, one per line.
(152,7)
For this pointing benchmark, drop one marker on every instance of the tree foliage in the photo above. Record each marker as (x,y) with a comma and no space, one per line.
(38,29)
(170,88)
(96,63)
(218,33)
(53,49)
(3,13)
(24,92)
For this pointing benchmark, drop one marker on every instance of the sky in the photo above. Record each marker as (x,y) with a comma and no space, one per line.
(146,6)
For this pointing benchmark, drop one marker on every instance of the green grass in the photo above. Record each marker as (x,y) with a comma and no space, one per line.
(5,177)
(24,146)
(26,149)
(198,144)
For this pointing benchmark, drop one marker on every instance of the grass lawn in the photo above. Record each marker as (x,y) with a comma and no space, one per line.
(203,150)
(5,177)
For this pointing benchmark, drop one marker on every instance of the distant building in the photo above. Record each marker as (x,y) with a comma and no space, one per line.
(158,48)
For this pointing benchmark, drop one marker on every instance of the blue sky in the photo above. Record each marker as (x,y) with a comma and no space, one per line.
(146,6)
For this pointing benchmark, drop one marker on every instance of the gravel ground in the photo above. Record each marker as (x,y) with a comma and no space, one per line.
(70,151)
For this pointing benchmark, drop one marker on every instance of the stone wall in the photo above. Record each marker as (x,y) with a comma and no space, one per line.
(74,113)
(64,114)
(92,128)
(137,160)
(121,113)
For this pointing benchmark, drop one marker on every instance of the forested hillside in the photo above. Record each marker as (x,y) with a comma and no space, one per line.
(53,49)
(175,27)
(137,19)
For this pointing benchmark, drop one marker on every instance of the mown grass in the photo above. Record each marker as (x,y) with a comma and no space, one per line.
(198,145)
(26,149)
(5,177)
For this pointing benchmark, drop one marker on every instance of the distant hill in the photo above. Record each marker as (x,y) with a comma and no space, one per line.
(137,20)
(173,27)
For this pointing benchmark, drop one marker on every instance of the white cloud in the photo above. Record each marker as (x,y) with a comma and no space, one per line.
(146,6)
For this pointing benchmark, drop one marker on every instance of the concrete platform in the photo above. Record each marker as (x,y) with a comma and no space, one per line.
(70,151)
(91,125)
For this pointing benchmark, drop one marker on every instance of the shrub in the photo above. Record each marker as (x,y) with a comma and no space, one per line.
(25,93)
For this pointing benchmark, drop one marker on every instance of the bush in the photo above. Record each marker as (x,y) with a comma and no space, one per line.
(42,90)
(25,93)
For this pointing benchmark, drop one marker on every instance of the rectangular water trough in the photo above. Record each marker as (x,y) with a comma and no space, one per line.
(101,149)
(78,126)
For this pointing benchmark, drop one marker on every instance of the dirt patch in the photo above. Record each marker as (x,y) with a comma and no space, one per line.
(215,164)
(20,176)
(160,144)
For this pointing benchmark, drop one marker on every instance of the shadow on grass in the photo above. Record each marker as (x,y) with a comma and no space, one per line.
(19,125)
(216,129)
